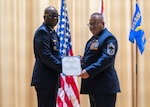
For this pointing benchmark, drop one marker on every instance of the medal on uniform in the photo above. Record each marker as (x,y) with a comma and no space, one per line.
(54,47)
(54,41)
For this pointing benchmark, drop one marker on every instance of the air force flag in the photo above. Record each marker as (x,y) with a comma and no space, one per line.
(136,31)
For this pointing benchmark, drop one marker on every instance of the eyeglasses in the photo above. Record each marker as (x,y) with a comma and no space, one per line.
(93,24)
(52,16)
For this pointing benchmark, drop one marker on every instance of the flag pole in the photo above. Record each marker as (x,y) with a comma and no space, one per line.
(135,71)
(136,96)
(136,74)
(136,33)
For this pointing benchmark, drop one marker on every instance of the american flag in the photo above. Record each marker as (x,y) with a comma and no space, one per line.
(68,95)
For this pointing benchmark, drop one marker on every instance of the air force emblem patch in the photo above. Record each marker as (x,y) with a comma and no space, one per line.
(111,49)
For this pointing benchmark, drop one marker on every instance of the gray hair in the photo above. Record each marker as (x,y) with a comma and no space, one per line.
(98,15)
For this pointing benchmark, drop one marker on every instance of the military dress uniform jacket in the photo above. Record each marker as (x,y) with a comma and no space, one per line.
(98,60)
(47,65)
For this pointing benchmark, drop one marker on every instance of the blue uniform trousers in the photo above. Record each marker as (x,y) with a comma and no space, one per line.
(107,100)
(46,97)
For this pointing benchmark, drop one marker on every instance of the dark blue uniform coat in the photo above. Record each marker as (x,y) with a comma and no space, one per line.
(47,66)
(99,63)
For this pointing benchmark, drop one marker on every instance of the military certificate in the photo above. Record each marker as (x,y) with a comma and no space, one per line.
(71,65)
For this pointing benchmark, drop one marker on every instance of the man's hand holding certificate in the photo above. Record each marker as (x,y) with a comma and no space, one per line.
(71,66)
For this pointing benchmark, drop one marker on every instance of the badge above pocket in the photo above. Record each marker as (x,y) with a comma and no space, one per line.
(94,45)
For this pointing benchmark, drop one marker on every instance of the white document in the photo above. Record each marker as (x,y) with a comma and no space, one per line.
(71,65)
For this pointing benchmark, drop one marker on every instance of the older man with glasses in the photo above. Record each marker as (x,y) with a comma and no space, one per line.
(99,77)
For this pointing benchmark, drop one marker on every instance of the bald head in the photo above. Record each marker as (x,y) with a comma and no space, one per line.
(50,10)
(51,16)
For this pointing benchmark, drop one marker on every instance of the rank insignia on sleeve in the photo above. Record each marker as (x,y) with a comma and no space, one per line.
(111,49)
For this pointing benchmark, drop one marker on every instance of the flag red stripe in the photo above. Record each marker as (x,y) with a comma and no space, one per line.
(70,52)
(68,101)
(59,101)
(71,81)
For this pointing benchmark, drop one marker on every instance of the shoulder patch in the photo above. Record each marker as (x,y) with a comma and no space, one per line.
(111,49)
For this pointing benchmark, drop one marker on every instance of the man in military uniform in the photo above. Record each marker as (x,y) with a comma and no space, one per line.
(99,77)
(47,66)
